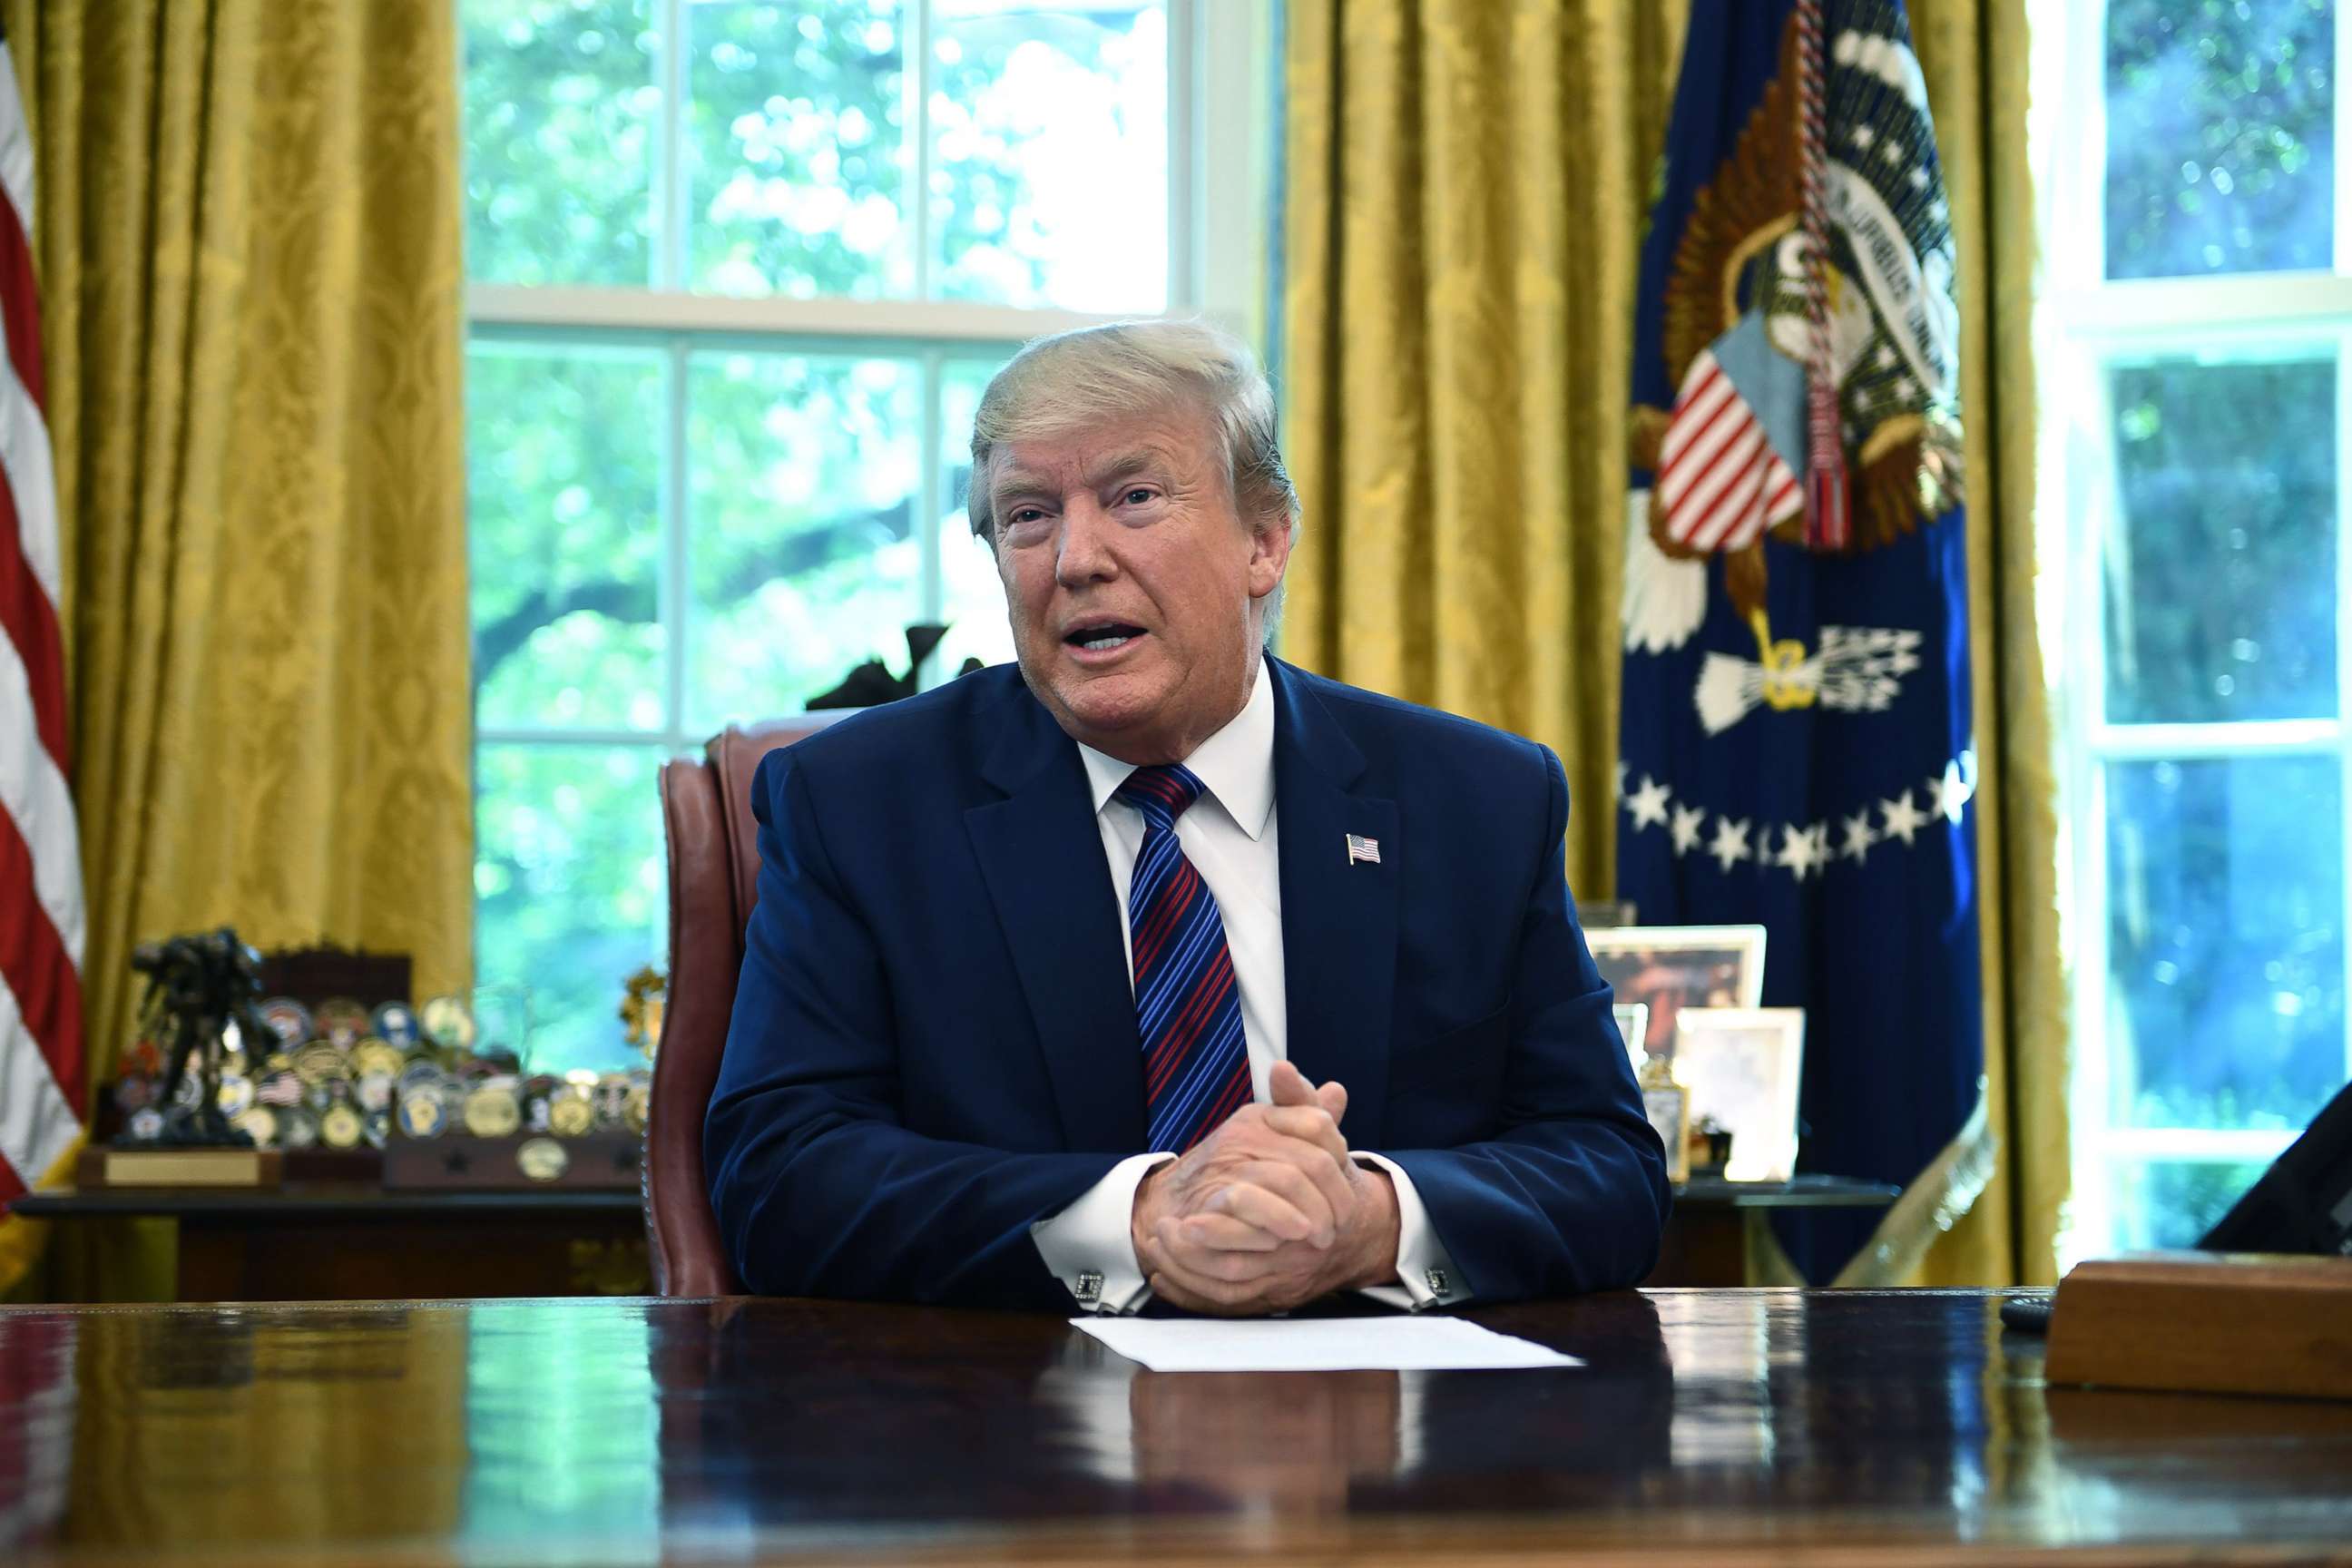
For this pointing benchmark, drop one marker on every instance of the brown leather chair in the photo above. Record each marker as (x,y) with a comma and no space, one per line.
(714,879)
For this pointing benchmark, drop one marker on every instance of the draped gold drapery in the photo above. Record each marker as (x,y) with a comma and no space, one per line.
(1466,183)
(247,238)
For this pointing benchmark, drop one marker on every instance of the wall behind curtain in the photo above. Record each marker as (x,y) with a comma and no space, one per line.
(1467,186)
(247,235)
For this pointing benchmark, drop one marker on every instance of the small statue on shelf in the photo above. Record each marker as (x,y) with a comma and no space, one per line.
(871,684)
(199,989)
(641,1009)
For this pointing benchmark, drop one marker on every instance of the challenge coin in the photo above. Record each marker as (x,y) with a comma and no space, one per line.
(289,1021)
(492,1111)
(543,1159)
(341,1128)
(448,1022)
(342,1021)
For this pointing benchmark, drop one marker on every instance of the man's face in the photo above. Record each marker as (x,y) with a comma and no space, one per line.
(1137,591)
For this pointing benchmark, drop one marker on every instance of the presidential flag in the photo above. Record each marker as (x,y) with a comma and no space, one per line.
(41,1062)
(1796,746)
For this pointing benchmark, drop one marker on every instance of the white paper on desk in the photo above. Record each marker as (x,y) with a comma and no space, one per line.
(1316,1344)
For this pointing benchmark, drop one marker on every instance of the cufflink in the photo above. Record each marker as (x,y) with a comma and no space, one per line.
(1438,1284)
(1089,1289)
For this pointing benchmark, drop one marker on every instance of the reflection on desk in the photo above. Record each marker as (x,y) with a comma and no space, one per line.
(1726,1425)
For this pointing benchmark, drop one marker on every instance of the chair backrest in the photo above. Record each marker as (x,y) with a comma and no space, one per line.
(714,880)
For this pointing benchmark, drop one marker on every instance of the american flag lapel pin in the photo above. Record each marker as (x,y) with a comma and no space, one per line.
(1361,848)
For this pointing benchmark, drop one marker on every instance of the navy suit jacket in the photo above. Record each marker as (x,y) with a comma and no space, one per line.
(934,1041)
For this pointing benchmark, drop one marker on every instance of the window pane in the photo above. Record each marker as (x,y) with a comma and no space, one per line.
(798,146)
(977,627)
(2171,1203)
(805,558)
(2220,582)
(2225,908)
(564,475)
(2220,136)
(1049,162)
(571,891)
(560,110)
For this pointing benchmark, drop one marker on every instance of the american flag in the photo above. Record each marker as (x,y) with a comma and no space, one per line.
(1361,848)
(1720,482)
(41,1061)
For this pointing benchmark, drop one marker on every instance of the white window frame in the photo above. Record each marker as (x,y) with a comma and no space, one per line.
(1220,135)
(2084,326)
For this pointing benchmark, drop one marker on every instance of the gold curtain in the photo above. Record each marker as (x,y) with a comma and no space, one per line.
(247,235)
(1467,184)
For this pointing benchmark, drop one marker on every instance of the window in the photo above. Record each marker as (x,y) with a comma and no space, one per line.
(2194,340)
(738,272)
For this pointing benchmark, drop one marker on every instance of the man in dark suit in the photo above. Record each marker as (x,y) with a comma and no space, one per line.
(1156,968)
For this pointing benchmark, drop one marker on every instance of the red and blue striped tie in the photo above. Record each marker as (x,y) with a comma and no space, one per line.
(1187,1009)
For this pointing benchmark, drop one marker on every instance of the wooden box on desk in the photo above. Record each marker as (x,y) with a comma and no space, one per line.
(606,1162)
(2212,1322)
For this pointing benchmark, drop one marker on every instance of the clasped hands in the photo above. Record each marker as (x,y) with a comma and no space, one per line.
(1269,1211)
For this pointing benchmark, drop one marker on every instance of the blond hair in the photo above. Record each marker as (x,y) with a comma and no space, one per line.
(1066,381)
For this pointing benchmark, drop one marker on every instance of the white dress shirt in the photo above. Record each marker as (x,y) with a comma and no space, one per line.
(1230,834)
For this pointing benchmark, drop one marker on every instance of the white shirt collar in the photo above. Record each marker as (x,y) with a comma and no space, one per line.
(1236,764)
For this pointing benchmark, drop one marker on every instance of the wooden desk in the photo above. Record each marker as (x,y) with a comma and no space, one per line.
(324,1242)
(1707,1427)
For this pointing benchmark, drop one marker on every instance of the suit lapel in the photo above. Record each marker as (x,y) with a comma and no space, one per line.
(1042,856)
(1339,915)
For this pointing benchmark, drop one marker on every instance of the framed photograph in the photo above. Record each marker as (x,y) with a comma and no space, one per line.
(1668,1107)
(1669,968)
(1633,1029)
(1742,1067)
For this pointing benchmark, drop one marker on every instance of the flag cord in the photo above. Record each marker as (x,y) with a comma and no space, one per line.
(1827,522)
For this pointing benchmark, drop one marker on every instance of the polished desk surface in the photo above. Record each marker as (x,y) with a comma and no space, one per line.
(1707,1427)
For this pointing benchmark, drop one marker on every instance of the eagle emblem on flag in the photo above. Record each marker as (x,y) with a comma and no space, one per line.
(1759,305)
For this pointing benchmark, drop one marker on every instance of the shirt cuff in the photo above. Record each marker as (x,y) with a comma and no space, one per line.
(1090,1247)
(1426,1276)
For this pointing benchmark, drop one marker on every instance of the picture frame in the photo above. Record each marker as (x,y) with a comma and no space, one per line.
(1744,1068)
(1667,1105)
(1633,1029)
(1669,968)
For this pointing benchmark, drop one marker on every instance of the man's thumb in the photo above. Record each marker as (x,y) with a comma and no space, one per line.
(1288,1085)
